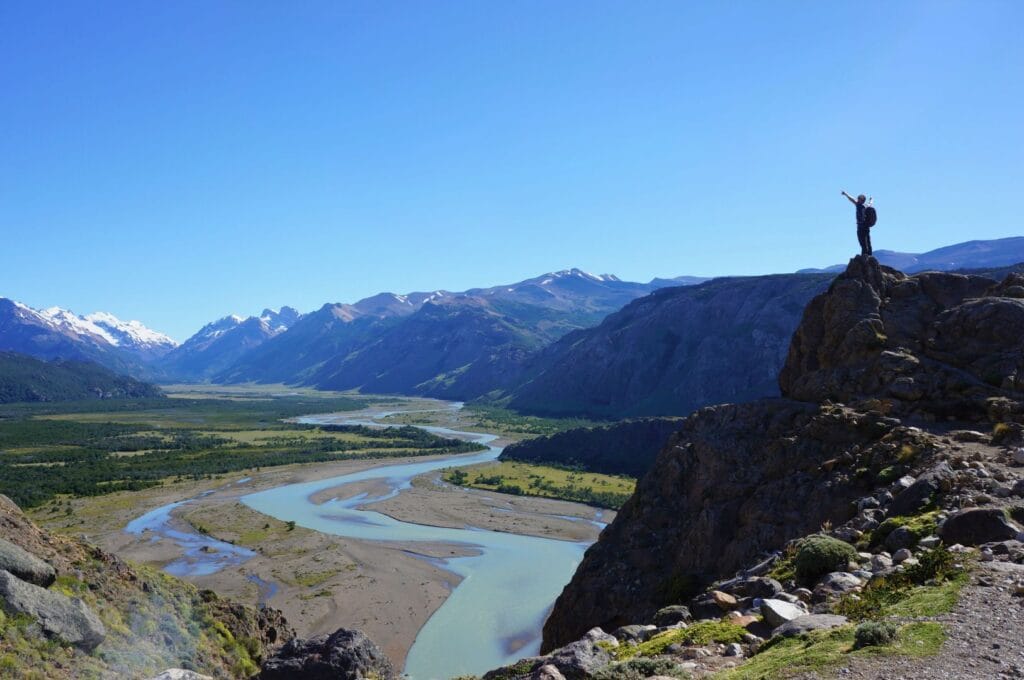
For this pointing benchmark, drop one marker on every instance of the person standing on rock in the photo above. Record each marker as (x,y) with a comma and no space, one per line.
(865,220)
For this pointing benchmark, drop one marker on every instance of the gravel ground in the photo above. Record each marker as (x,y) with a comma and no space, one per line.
(986,636)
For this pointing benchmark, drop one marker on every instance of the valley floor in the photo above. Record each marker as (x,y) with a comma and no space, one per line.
(323,582)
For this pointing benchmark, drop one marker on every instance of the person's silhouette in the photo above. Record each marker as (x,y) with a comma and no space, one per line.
(863,228)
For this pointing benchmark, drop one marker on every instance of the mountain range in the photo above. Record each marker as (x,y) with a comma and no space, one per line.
(967,255)
(566,342)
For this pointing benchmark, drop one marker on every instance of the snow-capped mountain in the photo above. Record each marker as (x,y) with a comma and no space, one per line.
(222,342)
(57,333)
(131,334)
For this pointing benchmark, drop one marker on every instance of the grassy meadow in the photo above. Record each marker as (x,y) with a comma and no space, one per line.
(525,479)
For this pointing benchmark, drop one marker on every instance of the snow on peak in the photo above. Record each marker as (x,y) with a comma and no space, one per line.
(67,321)
(129,332)
(550,277)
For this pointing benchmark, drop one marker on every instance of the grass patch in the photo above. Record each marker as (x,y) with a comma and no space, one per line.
(491,418)
(929,600)
(312,579)
(825,649)
(928,588)
(526,479)
(703,633)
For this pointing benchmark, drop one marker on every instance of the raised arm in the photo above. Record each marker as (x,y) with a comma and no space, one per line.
(850,198)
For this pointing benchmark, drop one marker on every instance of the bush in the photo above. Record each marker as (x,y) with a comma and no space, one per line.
(874,634)
(818,555)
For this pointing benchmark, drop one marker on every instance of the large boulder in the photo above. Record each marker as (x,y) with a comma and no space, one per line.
(343,655)
(752,586)
(579,660)
(64,617)
(922,492)
(25,565)
(977,526)
(778,612)
(810,622)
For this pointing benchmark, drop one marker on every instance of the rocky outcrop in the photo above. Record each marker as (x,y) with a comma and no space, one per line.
(934,344)
(578,660)
(738,481)
(66,618)
(25,565)
(734,482)
(343,655)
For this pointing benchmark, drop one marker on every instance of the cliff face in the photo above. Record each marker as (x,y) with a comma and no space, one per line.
(739,480)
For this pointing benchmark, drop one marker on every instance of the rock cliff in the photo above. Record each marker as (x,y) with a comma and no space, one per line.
(737,481)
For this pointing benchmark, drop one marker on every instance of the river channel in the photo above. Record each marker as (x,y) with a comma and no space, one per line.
(508,585)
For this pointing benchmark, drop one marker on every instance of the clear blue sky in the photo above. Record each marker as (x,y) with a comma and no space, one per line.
(178,161)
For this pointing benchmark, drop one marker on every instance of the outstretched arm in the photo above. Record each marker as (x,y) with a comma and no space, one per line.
(850,198)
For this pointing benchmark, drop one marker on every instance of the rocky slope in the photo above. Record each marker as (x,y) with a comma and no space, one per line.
(69,610)
(887,476)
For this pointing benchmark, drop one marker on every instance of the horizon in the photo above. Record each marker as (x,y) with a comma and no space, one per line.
(242,316)
(239,157)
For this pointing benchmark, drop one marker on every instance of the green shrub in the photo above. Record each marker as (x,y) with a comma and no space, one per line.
(638,669)
(874,634)
(920,525)
(818,555)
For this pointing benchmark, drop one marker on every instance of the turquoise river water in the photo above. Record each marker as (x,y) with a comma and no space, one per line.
(492,617)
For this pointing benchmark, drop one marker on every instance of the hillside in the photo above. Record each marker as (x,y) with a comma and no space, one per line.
(806,517)
(71,610)
(673,351)
(24,378)
(626,448)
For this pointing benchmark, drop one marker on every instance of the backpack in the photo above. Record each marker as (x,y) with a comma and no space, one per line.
(870,216)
